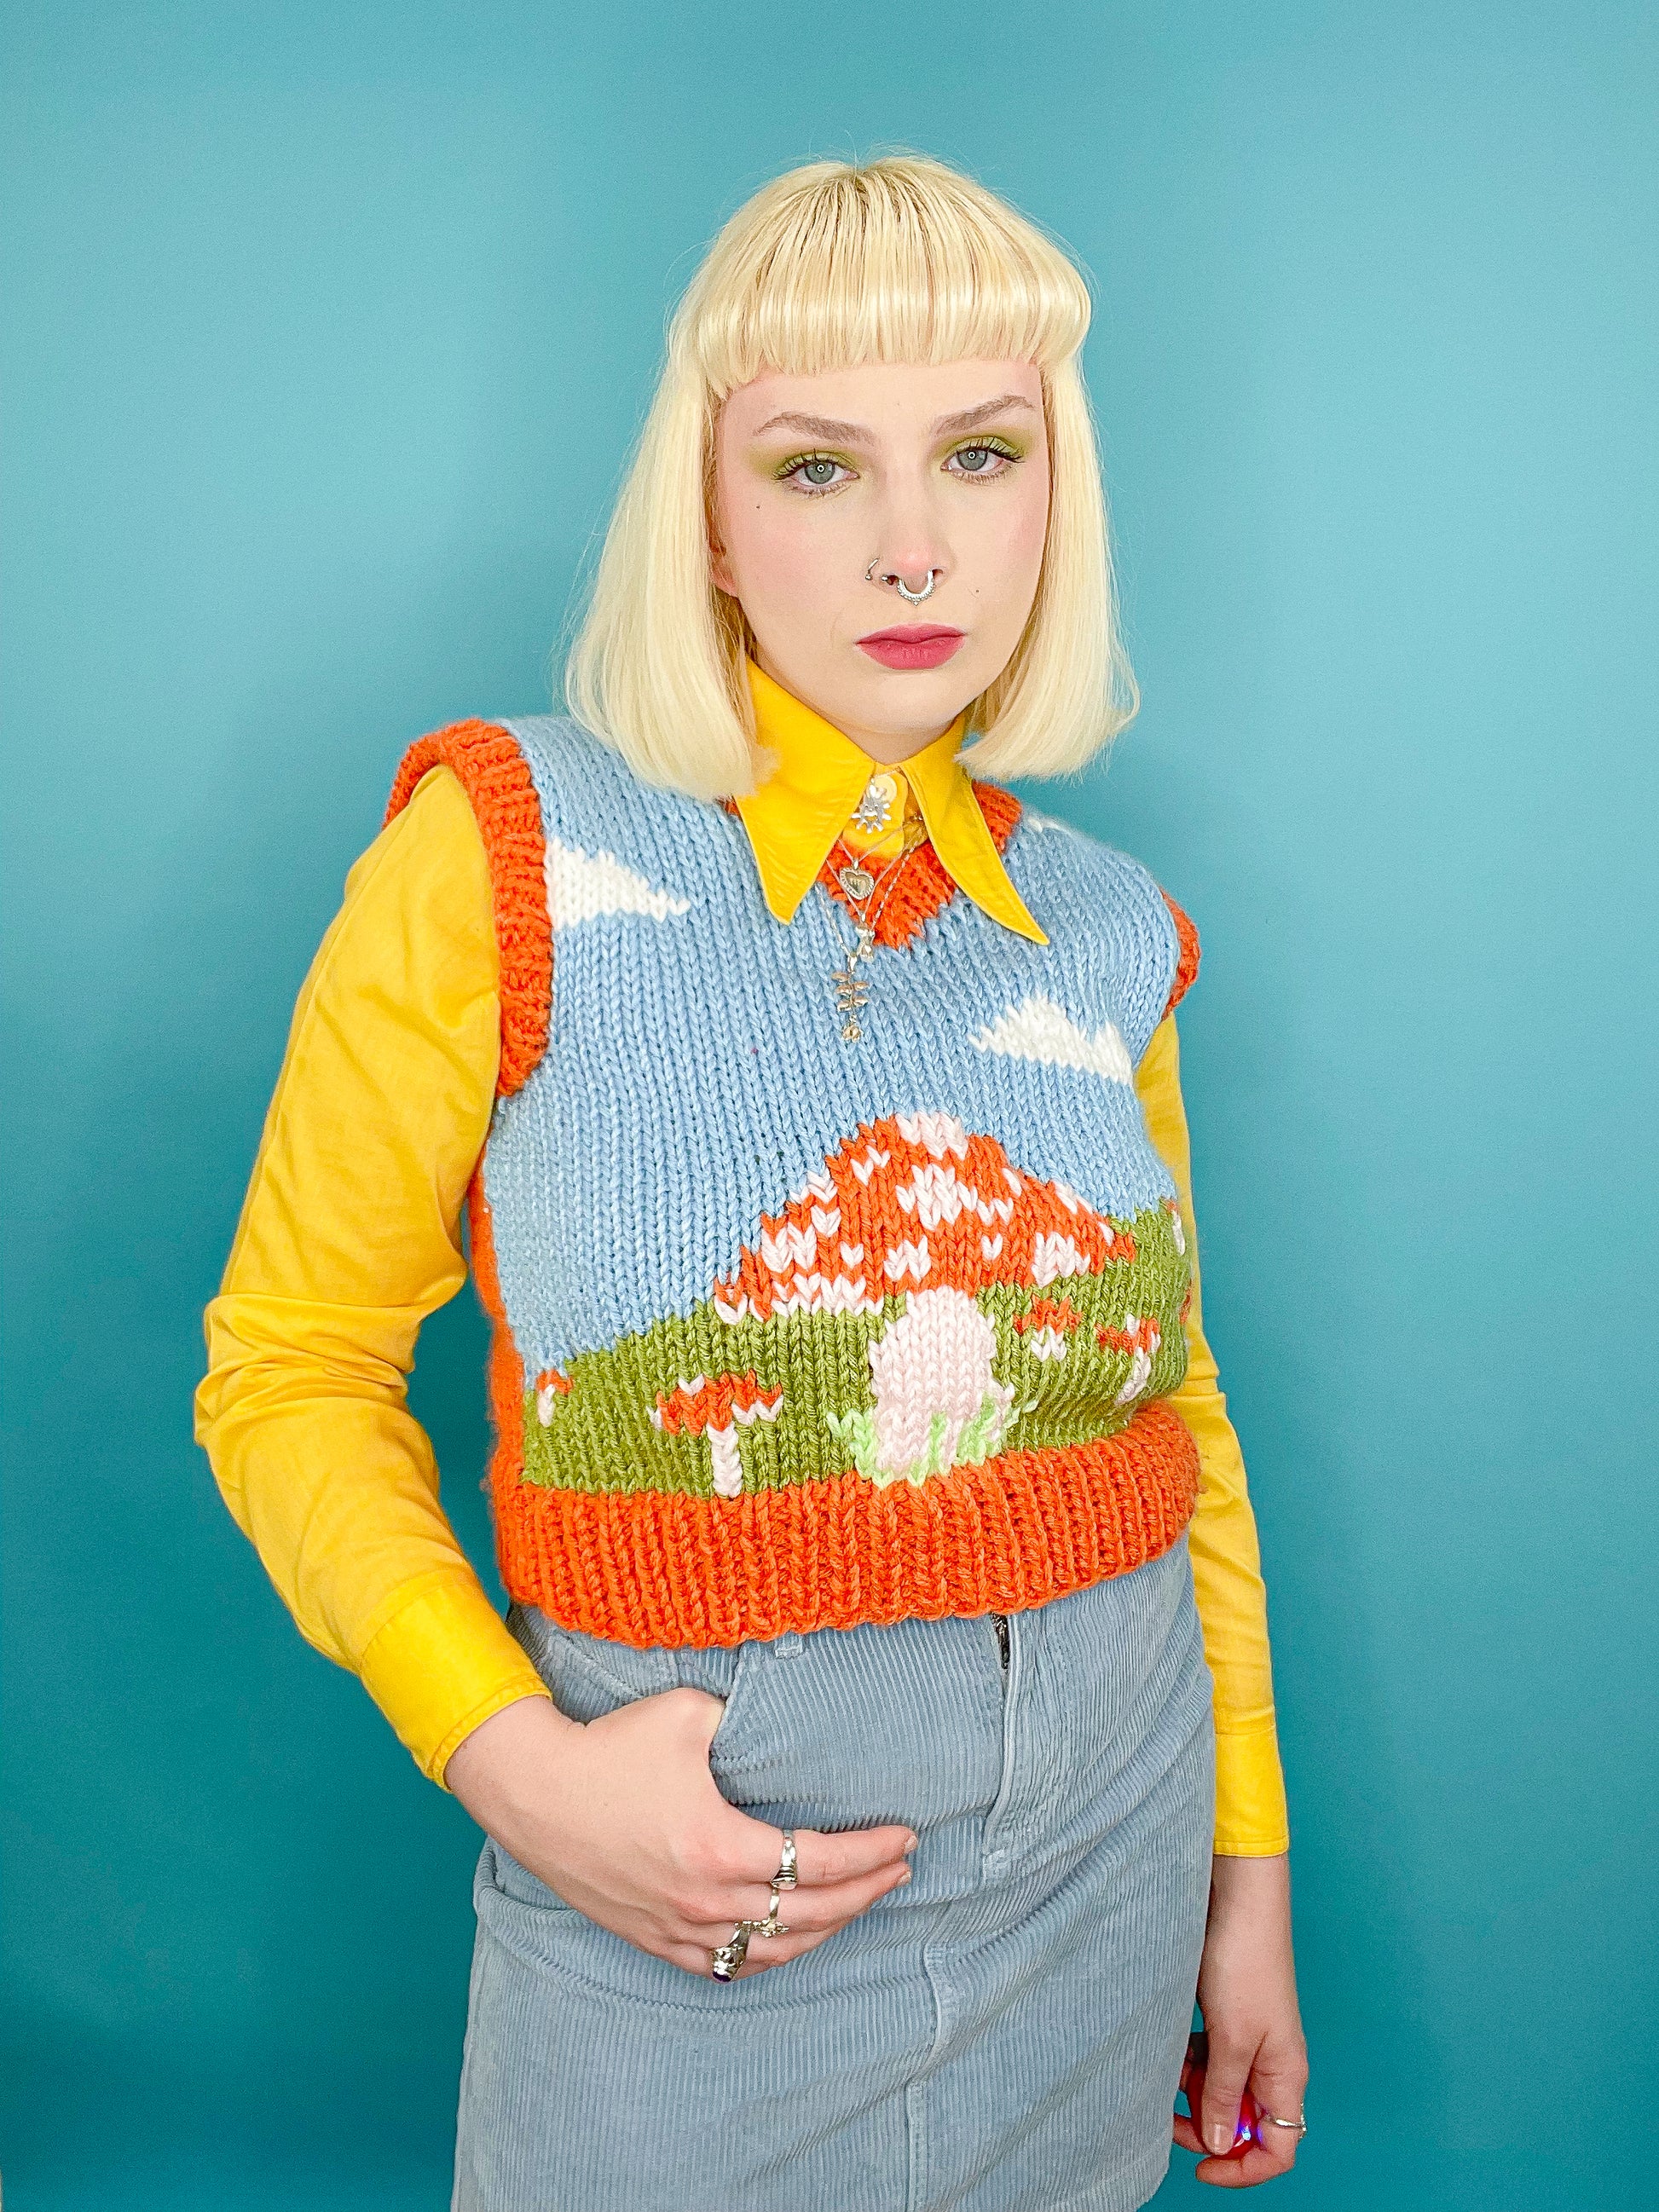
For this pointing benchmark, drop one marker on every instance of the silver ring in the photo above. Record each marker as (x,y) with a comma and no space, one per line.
(771,1925)
(726,1958)
(786,1876)
(915,599)
(1269,2120)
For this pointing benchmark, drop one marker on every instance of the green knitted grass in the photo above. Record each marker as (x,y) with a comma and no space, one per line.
(820,1360)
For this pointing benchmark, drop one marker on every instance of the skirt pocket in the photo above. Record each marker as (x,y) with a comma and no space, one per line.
(588,1675)
(853,1728)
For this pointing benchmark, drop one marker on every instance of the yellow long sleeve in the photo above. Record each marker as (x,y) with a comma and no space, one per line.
(1251,1818)
(349,1239)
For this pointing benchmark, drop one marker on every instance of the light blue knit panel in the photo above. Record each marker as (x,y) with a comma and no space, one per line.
(696,1075)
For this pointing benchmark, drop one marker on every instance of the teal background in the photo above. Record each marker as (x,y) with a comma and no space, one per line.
(326,329)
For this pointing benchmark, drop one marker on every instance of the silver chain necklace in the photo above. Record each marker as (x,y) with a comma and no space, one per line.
(861,886)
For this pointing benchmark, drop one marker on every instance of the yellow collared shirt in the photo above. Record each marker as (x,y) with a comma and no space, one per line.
(797,814)
(349,1236)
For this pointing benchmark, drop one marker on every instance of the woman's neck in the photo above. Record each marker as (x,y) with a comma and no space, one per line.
(889,748)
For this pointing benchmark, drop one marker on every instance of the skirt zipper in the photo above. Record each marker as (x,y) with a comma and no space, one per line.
(1001,1620)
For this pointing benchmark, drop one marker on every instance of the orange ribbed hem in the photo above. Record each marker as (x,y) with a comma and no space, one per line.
(496,778)
(658,1567)
(1187,958)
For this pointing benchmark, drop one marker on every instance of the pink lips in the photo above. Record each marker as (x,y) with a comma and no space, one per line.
(919,645)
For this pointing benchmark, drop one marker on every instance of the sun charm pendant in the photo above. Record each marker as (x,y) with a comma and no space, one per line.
(874,810)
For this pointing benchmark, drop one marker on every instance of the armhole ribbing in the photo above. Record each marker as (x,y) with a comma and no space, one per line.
(1187,956)
(490,767)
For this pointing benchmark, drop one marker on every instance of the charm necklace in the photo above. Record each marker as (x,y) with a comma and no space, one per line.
(860,887)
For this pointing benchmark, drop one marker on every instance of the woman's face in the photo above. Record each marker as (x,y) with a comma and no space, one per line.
(913,467)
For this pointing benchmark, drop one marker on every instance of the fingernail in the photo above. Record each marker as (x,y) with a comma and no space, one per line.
(909,1843)
(903,1879)
(1219,2138)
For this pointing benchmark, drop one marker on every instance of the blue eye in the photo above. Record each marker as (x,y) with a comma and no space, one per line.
(983,462)
(815,472)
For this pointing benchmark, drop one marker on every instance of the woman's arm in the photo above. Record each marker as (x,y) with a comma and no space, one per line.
(349,1239)
(1251,1819)
(1247,1979)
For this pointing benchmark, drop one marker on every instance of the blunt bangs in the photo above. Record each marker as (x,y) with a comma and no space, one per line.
(836,267)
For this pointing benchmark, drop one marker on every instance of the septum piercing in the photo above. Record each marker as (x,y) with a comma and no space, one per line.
(904,591)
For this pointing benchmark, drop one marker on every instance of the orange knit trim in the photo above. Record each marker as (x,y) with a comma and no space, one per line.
(495,777)
(660,1567)
(506,1368)
(1187,958)
(923,884)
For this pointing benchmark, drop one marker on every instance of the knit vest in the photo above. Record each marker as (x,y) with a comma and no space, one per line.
(795,1332)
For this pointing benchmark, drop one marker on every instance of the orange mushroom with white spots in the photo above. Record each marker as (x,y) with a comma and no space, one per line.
(717,1409)
(551,1386)
(1140,1337)
(915,1198)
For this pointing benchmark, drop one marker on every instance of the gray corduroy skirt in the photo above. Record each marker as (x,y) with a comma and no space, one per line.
(1003,2034)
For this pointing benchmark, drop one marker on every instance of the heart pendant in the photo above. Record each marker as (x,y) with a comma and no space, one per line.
(857,883)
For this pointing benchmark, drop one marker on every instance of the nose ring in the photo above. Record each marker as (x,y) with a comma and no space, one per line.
(904,591)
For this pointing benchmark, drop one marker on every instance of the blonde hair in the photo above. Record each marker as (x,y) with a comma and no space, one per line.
(900,258)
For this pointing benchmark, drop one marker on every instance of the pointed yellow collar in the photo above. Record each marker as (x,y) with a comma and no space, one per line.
(798,813)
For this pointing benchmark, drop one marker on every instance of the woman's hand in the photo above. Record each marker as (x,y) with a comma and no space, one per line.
(1246,1992)
(623,1818)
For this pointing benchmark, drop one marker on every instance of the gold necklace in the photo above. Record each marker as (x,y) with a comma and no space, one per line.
(861,886)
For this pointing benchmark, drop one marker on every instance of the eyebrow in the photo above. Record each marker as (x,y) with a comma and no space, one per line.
(824,426)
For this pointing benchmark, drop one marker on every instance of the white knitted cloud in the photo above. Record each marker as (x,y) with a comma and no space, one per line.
(1039,1028)
(582,885)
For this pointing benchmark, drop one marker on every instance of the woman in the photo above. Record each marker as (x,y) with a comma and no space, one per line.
(862,1813)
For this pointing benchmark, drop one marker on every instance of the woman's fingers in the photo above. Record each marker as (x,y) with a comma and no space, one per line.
(763,1951)
(811,1909)
(826,1859)
(729,1874)
(838,1877)
(1228,2070)
(1277,2092)
(742,1854)
(1279,2095)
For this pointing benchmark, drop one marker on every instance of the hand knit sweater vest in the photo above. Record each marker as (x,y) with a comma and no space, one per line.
(789,1332)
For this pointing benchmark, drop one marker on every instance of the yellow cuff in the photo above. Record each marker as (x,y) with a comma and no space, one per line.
(1252,1819)
(442,1664)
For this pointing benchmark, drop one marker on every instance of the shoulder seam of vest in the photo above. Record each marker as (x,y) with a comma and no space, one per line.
(489,764)
(1187,958)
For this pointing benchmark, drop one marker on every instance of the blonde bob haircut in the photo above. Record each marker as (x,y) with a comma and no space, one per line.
(900,258)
